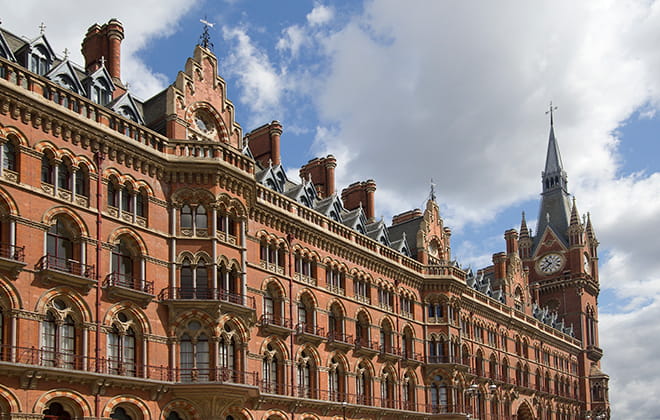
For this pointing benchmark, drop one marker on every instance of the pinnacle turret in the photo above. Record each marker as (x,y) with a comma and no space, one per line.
(524,231)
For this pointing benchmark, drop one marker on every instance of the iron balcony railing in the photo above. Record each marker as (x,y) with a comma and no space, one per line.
(12,252)
(51,262)
(128,282)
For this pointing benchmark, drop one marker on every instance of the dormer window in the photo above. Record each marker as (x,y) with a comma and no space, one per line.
(127,112)
(40,60)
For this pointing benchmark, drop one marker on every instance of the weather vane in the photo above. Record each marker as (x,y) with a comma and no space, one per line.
(205,39)
(42,28)
(551,111)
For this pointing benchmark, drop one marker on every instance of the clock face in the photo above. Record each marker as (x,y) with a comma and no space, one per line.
(550,263)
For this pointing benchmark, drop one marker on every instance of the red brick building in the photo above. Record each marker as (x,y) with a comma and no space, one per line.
(157,263)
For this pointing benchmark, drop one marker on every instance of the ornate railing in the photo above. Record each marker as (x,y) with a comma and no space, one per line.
(51,262)
(128,282)
(12,252)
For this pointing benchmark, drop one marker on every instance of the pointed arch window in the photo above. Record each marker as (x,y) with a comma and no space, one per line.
(58,336)
(439,395)
(229,356)
(306,379)
(122,347)
(194,354)
(193,220)
(272,370)
(408,393)
(363,385)
(9,156)
(336,381)
(388,398)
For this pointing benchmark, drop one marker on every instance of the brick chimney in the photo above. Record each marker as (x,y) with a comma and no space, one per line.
(361,193)
(322,173)
(264,143)
(406,216)
(511,238)
(103,44)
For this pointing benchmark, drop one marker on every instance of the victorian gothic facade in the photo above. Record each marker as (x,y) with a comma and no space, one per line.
(157,263)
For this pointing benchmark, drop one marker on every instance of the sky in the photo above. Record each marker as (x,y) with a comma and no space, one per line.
(450,91)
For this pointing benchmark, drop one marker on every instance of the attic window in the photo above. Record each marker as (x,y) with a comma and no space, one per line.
(66,82)
(39,60)
(127,112)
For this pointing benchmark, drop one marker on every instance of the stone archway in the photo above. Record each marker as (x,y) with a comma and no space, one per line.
(524,413)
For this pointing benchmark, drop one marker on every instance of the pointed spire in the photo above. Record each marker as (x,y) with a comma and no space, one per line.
(554,176)
(590,229)
(524,231)
(575,216)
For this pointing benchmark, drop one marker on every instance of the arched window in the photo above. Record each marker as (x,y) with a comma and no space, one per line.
(58,336)
(479,363)
(194,281)
(47,169)
(229,355)
(363,384)
(9,156)
(408,344)
(408,393)
(439,396)
(505,370)
(337,380)
(306,376)
(273,301)
(194,353)
(273,371)
(201,217)
(386,337)
(194,220)
(335,280)
(186,217)
(336,323)
(174,416)
(56,411)
(81,186)
(230,284)
(59,246)
(306,315)
(227,224)
(362,335)
(388,396)
(123,262)
(120,413)
(63,176)
(122,344)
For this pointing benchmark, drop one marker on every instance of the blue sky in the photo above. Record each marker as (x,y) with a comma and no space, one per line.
(450,91)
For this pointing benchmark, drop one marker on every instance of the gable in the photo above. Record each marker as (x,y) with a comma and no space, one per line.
(64,75)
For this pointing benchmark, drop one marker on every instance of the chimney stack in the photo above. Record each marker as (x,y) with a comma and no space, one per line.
(361,193)
(102,44)
(322,173)
(264,143)
(511,238)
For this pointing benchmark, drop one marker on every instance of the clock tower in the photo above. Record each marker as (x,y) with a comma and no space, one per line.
(562,260)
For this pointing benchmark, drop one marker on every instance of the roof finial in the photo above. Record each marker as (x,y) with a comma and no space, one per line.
(432,190)
(42,28)
(551,111)
(102,61)
(66,54)
(205,38)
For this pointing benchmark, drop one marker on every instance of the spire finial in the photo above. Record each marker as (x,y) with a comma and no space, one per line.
(551,112)
(432,190)
(42,28)
(66,54)
(205,38)
(102,61)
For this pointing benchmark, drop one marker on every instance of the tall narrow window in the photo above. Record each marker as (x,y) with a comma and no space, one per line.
(186,217)
(58,336)
(46,170)
(9,156)
(59,245)
(200,217)
(194,354)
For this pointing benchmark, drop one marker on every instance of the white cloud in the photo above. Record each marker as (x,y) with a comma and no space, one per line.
(293,38)
(163,18)
(320,15)
(262,85)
